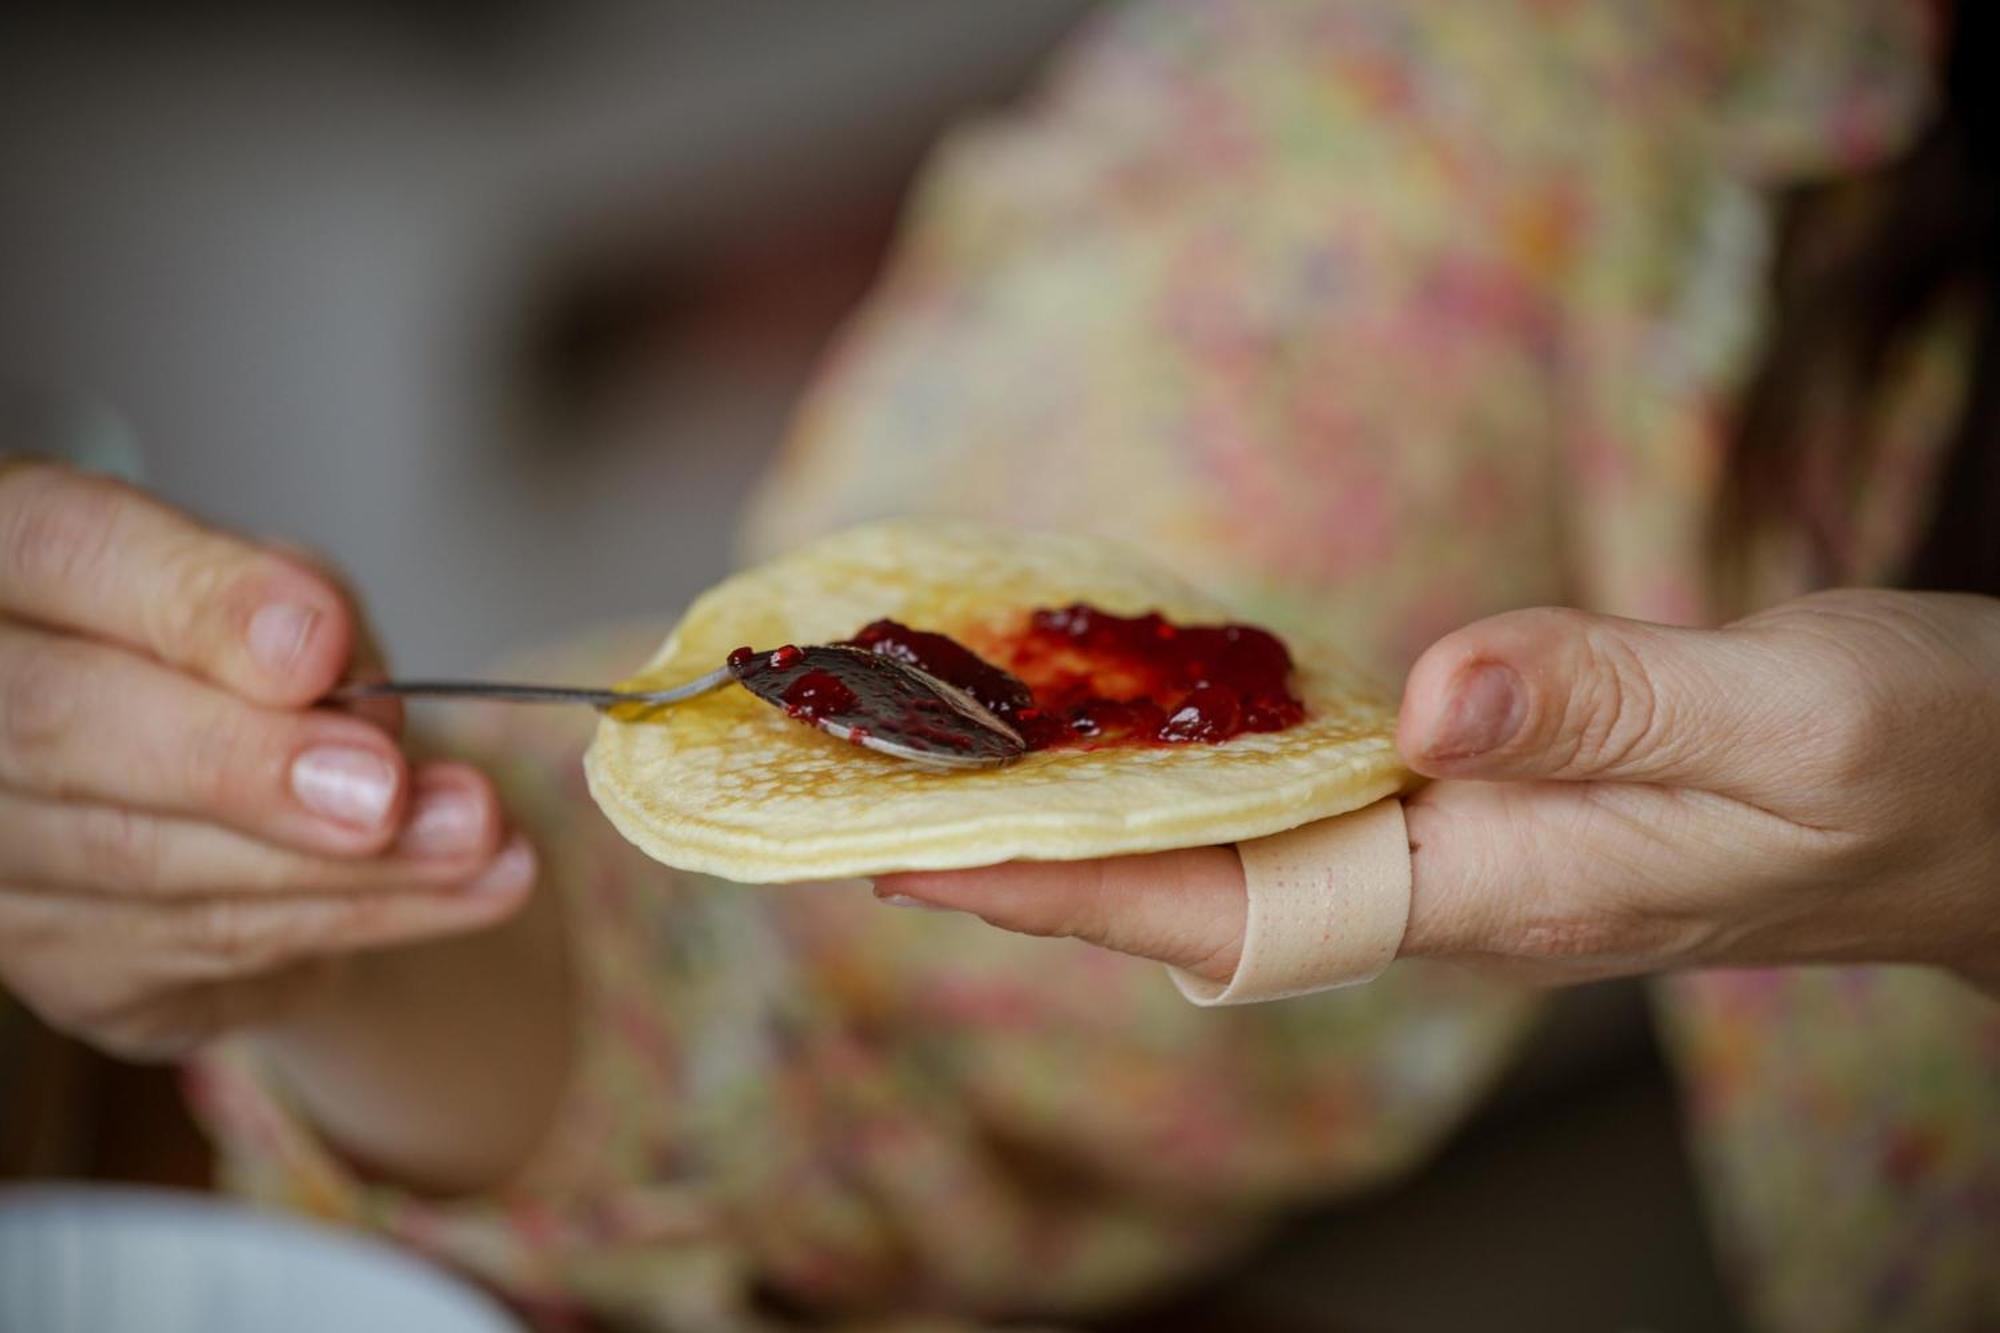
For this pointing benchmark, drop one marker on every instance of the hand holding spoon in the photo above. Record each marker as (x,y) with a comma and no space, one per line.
(866,698)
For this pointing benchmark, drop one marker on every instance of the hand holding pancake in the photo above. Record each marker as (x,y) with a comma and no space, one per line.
(1812,784)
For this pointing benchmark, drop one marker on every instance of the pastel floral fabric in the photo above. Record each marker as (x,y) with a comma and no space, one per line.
(1374,316)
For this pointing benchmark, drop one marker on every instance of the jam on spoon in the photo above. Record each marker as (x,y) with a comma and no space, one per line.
(880,703)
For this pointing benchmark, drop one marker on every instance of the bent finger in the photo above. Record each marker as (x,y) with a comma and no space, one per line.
(85,721)
(453,833)
(93,555)
(1183,908)
(1563,882)
(191,940)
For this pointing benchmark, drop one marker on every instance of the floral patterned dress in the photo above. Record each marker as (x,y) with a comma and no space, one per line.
(1378,316)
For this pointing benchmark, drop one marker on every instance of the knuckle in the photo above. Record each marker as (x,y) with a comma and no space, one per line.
(40,697)
(1842,717)
(56,527)
(1216,960)
(1076,915)
(238,937)
(365,918)
(1605,937)
(172,624)
(1846,745)
(120,848)
(244,937)
(1085,919)
(208,583)
(1042,917)
(1570,938)
(217,755)
(1847,722)
(1458,879)
(1615,712)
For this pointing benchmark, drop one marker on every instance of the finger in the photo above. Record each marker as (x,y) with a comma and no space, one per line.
(93,555)
(454,813)
(367,660)
(1183,908)
(178,941)
(1562,882)
(1565,695)
(231,936)
(154,1027)
(454,831)
(86,722)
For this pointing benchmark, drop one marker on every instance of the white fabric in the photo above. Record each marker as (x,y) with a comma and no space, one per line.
(1327,905)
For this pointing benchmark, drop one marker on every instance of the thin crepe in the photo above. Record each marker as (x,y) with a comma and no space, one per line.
(729,786)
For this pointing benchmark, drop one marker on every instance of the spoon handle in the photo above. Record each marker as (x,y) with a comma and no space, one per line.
(503,692)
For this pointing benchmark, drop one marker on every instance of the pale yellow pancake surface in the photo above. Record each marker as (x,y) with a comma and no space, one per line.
(728,785)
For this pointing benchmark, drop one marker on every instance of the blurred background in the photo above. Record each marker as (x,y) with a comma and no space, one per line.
(501,305)
(504,306)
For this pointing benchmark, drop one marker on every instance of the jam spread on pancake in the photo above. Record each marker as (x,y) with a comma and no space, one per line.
(1079,677)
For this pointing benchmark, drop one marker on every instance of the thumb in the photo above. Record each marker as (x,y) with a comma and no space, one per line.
(1566,695)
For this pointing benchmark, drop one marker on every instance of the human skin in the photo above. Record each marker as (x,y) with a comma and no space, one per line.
(1814,784)
(192,845)
(1818,783)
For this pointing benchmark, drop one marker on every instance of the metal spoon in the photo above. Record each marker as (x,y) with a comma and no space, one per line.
(877,702)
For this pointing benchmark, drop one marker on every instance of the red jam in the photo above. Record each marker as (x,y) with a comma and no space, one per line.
(817,694)
(1077,676)
(950,661)
(867,696)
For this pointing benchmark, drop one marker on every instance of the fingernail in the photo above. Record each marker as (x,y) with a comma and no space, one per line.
(278,634)
(444,822)
(344,783)
(1487,707)
(905,900)
(513,871)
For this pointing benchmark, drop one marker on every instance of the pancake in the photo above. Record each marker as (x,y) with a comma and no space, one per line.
(729,786)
